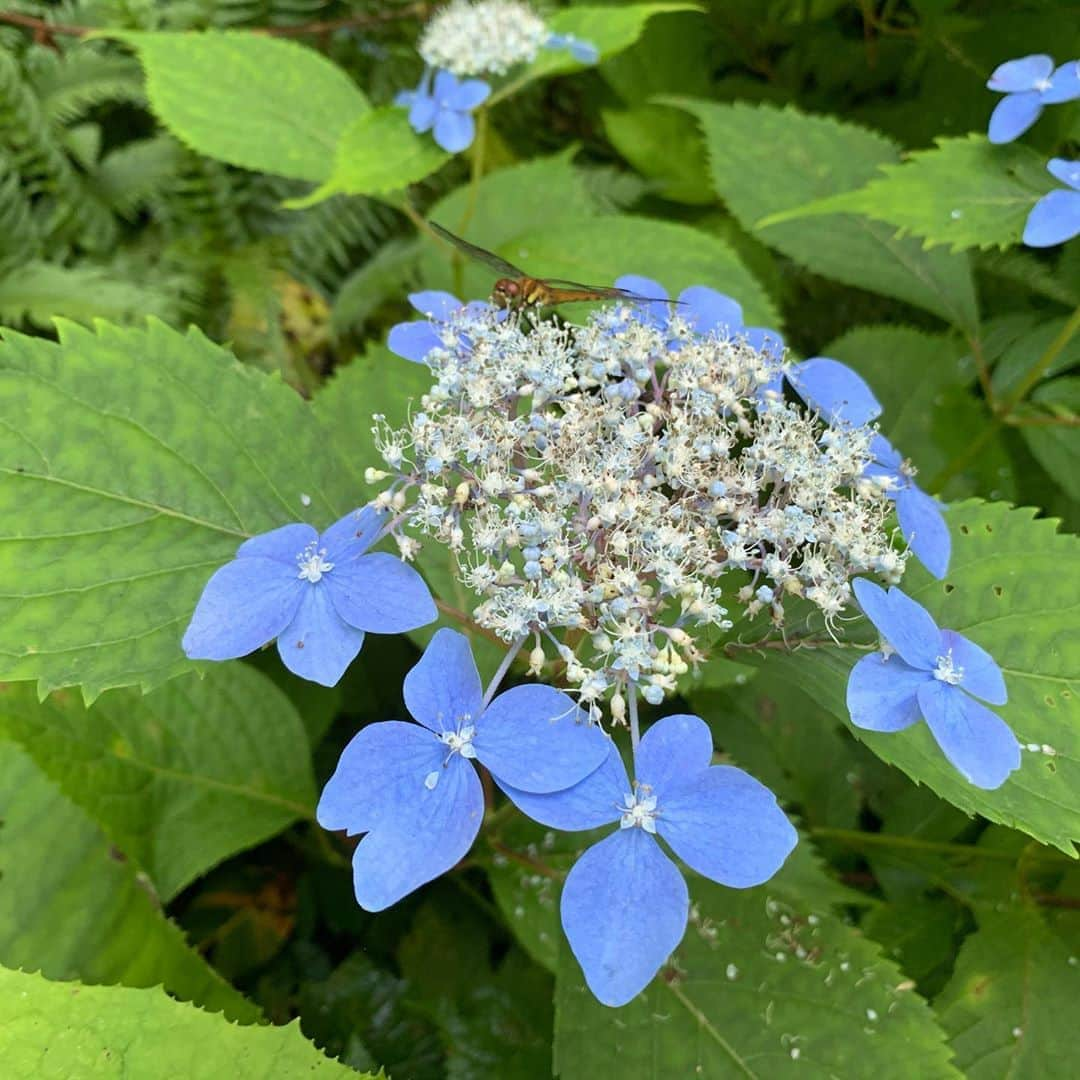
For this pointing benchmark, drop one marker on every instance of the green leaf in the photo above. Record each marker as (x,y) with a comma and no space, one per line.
(599,250)
(965,193)
(67,1029)
(179,779)
(1056,446)
(1010,1007)
(611,29)
(766,983)
(377,153)
(1013,587)
(258,102)
(765,160)
(133,464)
(72,906)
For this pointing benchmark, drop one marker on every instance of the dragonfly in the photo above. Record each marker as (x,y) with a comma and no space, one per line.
(515,289)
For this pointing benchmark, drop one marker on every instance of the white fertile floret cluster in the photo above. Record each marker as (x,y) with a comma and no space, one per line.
(616,486)
(481,38)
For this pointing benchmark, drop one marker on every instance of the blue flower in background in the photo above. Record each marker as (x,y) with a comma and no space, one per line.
(920,515)
(584,52)
(705,310)
(411,787)
(933,673)
(625,903)
(414,340)
(1055,218)
(317,594)
(444,105)
(1028,84)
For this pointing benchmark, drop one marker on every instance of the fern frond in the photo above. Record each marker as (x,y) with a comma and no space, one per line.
(388,275)
(130,177)
(72,83)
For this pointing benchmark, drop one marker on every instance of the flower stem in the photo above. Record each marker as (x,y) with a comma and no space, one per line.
(479,149)
(635,729)
(504,667)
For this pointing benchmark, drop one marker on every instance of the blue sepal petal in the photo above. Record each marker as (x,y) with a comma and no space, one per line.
(413,340)
(766,341)
(977,741)
(584,52)
(444,686)
(1013,115)
(1054,219)
(882,693)
(468,95)
(590,803)
(672,750)
(655,313)
(982,676)
(1064,84)
(435,304)
(422,113)
(726,825)
(283,544)
(1068,172)
(245,604)
(841,395)
(624,909)
(907,626)
(349,537)
(430,834)
(707,310)
(317,645)
(923,524)
(380,593)
(1026,73)
(454,131)
(535,738)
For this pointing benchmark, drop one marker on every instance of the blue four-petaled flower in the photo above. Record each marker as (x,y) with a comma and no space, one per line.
(1029,84)
(416,339)
(936,674)
(317,594)
(443,104)
(625,904)
(411,787)
(1055,218)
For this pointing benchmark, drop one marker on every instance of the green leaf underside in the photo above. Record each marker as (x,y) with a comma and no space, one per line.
(1057,446)
(72,906)
(1010,1007)
(766,983)
(1013,588)
(132,465)
(181,778)
(68,1029)
(965,193)
(258,102)
(766,160)
(377,153)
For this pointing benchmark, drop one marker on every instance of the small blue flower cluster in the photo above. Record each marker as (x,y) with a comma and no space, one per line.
(1029,84)
(469,38)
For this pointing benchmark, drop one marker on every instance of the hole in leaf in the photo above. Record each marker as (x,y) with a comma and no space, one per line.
(965,530)
(1051,767)
(998,590)
(948,587)
(987,526)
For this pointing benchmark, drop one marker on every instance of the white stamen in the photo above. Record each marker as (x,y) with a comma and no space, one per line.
(460,741)
(312,563)
(638,813)
(948,672)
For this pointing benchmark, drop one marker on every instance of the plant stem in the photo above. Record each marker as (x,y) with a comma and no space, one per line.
(635,730)
(477,171)
(1037,370)
(855,838)
(504,667)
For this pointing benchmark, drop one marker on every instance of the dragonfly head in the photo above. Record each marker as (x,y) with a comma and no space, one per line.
(506,293)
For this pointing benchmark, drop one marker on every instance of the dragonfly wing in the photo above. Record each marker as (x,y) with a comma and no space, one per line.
(489,258)
(608,292)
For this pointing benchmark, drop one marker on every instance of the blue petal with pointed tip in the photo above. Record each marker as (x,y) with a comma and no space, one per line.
(982,676)
(318,645)
(444,686)
(907,626)
(672,749)
(922,523)
(1013,115)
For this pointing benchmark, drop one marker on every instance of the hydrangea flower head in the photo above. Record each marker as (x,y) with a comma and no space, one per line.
(444,106)
(482,37)
(936,674)
(415,340)
(1055,218)
(412,788)
(922,522)
(1029,84)
(625,903)
(606,478)
(317,594)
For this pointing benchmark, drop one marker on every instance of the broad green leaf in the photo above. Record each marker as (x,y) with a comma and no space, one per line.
(258,102)
(965,193)
(181,778)
(1013,587)
(611,29)
(599,250)
(377,153)
(766,983)
(765,160)
(665,145)
(134,462)
(1010,1007)
(66,1029)
(1056,446)
(72,906)
(1018,344)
